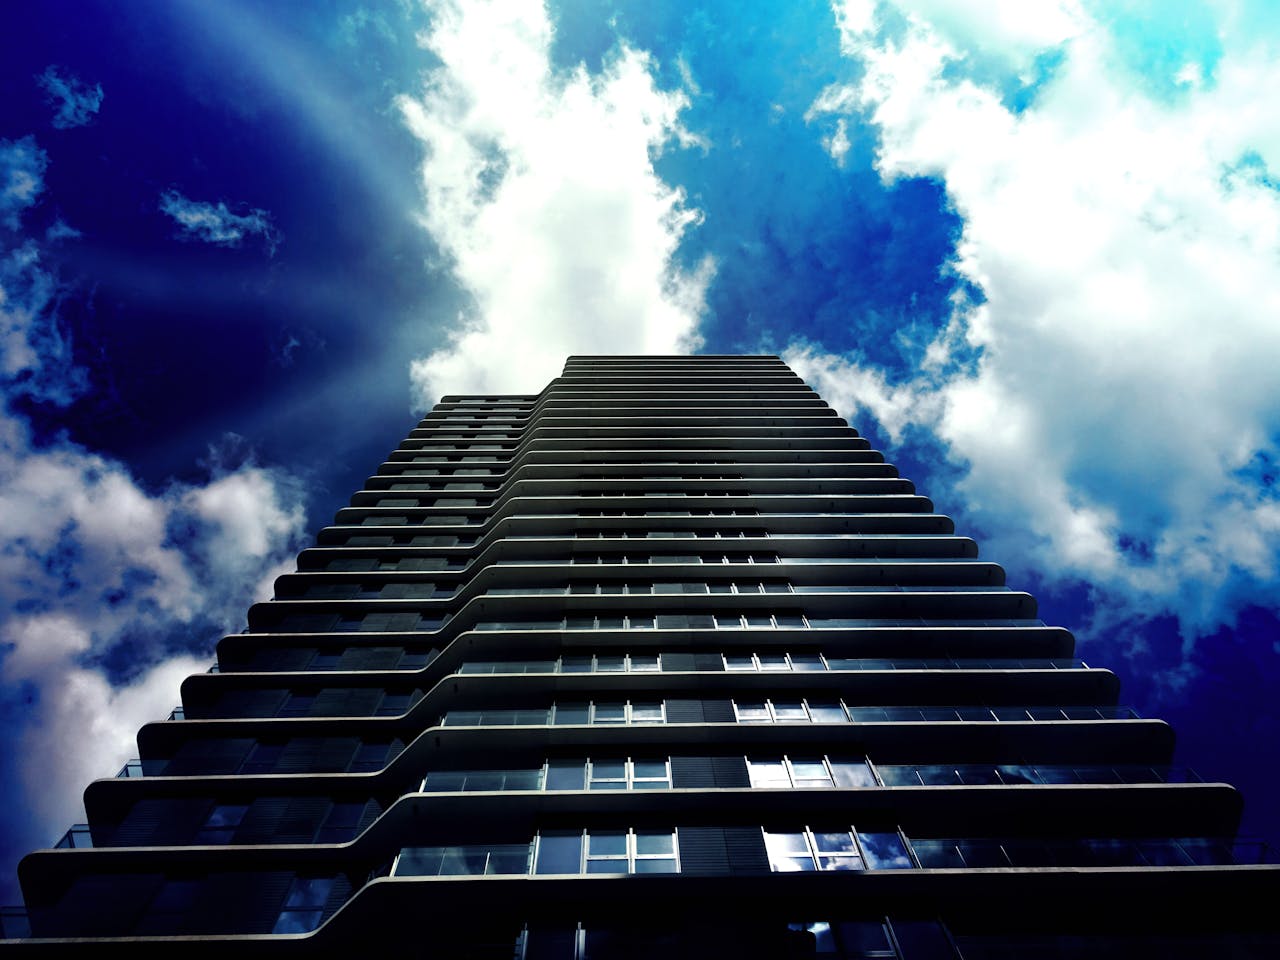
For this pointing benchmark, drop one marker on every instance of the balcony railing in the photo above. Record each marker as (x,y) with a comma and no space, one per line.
(77,837)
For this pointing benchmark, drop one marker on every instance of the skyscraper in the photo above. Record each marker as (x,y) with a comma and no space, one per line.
(663,661)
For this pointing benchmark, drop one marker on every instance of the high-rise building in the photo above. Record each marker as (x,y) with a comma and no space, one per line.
(663,661)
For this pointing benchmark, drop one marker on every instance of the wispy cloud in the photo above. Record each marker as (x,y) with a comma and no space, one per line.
(542,194)
(1122,417)
(75,102)
(110,592)
(22,166)
(216,223)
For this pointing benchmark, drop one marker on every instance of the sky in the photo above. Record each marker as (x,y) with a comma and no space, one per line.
(1030,249)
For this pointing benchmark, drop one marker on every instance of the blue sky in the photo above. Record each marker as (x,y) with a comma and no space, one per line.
(1029,248)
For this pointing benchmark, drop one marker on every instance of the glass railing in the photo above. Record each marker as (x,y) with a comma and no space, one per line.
(983,714)
(1089,852)
(77,837)
(618,852)
(819,773)
(131,768)
(980,774)
(777,711)
(762,663)
(14,923)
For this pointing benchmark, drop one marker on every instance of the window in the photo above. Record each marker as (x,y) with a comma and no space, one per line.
(495,718)
(304,906)
(774,661)
(610,663)
(463,781)
(262,758)
(394,704)
(852,940)
(370,756)
(467,860)
(809,850)
(809,773)
(297,705)
(606,852)
(628,775)
(343,822)
(789,711)
(760,621)
(221,824)
(618,712)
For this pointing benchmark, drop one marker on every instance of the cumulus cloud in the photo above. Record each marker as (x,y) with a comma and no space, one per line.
(216,223)
(110,593)
(75,102)
(96,572)
(541,192)
(1107,378)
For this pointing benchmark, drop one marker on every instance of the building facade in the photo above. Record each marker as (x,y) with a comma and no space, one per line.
(663,661)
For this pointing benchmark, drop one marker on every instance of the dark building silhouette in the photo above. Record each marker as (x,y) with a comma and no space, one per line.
(663,661)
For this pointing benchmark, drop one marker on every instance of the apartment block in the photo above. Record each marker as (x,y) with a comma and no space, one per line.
(663,661)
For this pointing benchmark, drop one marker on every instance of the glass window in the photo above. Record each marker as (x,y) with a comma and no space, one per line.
(607,775)
(559,851)
(852,773)
(304,905)
(837,850)
(470,860)
(884,851)
(827,711)
(647,713)
(262,758)
(789,711)
(808,850)
(326,659)
(394,704)
(221,824)
(566,774)
(863,939)
(654,851)
(651,774)
(571,713)
(370,756)
(606,851)
(789,852)
(342,823)
(811,773)
(609,713)
(769,774)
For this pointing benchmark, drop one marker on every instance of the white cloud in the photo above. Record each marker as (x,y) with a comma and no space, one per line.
(91,565)
(74,101)
(1012,31)
(215,222)
(1123,405)
(540,190)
